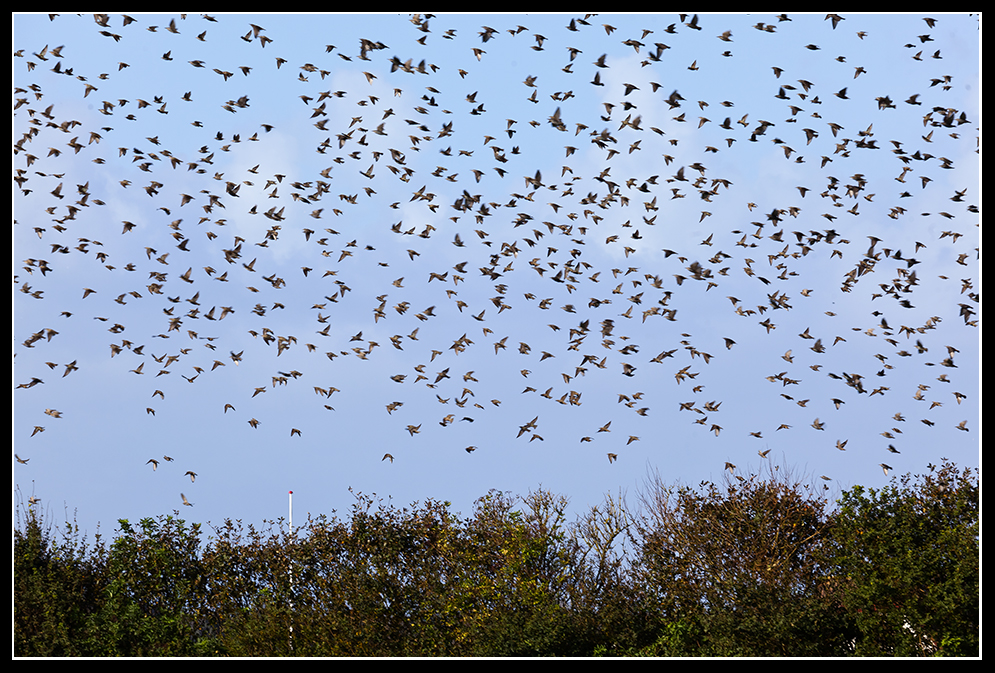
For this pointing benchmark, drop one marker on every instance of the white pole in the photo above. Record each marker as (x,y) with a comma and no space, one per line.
(291,568)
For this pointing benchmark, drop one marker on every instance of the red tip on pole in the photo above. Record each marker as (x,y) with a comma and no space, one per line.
(290,492)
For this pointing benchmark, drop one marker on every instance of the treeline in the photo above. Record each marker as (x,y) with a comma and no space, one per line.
(755,566)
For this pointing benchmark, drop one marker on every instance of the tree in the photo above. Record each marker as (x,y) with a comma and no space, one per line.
(248,586)
(57,587)
(734,570)
(520,564)
(908,563)
(152,594)
(608,599)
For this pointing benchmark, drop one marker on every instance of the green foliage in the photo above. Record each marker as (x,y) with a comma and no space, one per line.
(908,564)
(752,567)
(56,585)
(152,599)
(522,562)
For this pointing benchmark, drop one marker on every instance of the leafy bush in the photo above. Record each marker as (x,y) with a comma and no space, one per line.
(907,557)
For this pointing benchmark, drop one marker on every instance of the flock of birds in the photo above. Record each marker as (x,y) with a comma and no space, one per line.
(602,258)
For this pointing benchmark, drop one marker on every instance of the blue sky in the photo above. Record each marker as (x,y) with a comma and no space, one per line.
(331,238)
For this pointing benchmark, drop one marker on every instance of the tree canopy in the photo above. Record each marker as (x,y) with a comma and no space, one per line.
(759,565)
